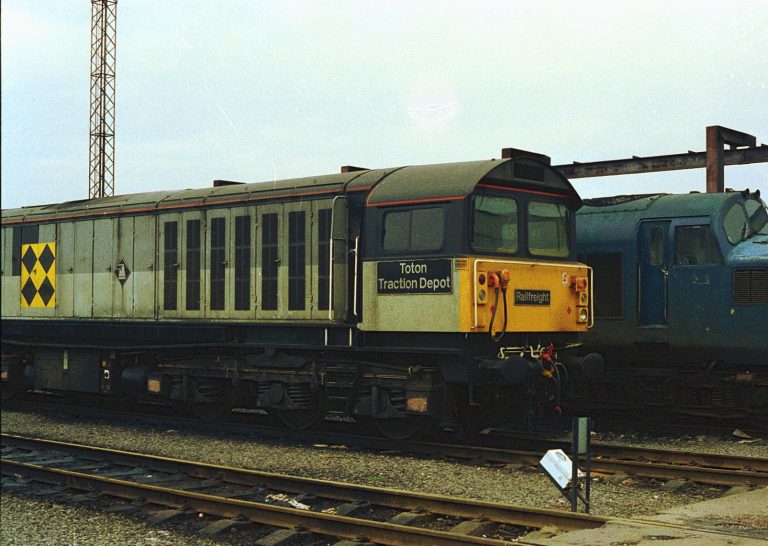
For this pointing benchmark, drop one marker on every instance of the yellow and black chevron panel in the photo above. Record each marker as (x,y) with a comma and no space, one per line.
(38,275)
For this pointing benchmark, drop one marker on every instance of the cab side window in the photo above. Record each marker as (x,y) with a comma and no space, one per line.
(548,229)
(413,230)
(696,245)
(494,223)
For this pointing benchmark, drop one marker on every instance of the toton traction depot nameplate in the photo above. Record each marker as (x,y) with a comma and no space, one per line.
(414,277)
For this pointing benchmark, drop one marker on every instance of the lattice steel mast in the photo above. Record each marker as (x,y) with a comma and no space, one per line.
(101,158)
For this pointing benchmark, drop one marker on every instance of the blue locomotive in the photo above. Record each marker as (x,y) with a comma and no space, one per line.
(681,304)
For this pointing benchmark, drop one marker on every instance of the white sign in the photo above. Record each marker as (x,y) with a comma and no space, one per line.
(558,465)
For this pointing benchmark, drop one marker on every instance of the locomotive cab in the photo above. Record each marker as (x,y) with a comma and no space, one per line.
(479,263)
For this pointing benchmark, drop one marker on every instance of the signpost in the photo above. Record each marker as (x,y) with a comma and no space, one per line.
(581,445)
(564,471)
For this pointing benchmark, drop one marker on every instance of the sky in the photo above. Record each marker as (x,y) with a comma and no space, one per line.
(263,90)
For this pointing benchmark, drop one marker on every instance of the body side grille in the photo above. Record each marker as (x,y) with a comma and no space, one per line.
(750,286)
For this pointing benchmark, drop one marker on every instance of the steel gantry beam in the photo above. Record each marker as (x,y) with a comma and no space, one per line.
(714,159)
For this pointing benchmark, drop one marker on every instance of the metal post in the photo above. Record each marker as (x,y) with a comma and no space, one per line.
(715,161)
(575,465)
(581,444)
(717,136)
(588,456)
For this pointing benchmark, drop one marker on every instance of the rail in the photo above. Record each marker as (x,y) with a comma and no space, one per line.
(712,469)
(130,475)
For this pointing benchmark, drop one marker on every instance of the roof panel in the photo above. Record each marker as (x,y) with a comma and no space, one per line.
(393,185)
(431,182)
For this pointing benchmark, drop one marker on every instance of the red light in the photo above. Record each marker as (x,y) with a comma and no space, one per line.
(578,283)
(481,279)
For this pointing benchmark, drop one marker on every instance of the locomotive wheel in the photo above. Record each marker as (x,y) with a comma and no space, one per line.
(223,398)
(311,410)
(299,419)
(401,429)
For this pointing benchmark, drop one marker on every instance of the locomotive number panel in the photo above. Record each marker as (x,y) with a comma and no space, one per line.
(414,277)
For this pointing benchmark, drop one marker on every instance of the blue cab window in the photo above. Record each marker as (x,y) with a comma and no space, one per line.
(696,245)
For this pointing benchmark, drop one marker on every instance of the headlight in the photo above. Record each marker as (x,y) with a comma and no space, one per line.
(583,315)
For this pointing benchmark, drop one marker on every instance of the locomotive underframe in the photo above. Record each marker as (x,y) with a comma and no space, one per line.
(383,376)
(701,389)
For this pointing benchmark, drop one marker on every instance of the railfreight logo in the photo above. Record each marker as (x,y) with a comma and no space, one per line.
(531,297)
(414,277)
(38,275)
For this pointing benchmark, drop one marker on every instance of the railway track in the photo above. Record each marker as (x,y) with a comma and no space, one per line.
(334,509)
(662,464)
(648,424)
(284,509)
(714,469)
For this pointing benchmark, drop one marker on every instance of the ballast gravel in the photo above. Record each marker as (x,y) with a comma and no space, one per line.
(30,521)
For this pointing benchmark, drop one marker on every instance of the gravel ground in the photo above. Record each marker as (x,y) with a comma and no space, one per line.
(27,522)
(22,522)
(735,444)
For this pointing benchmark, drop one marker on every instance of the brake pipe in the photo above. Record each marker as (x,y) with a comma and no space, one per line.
(499,280)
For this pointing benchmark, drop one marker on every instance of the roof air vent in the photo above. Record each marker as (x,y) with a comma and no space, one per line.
(511,153)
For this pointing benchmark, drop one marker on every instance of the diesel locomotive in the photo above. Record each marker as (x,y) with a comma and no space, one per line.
(681,304)
(408,297)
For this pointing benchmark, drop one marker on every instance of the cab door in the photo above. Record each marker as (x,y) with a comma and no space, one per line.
(330,256)
(653,275)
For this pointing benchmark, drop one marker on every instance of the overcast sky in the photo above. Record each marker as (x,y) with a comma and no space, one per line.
(254,91)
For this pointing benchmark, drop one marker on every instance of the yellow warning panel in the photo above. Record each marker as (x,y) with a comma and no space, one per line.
(38,275)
